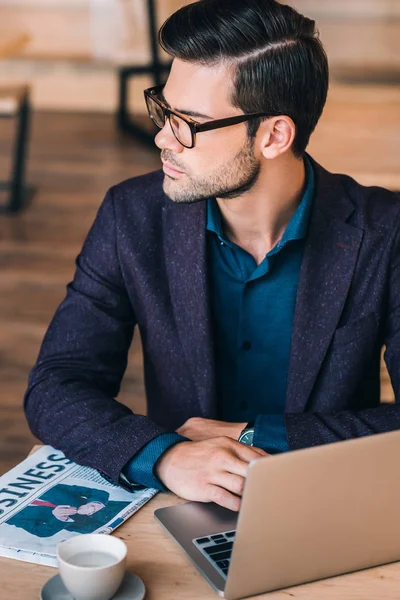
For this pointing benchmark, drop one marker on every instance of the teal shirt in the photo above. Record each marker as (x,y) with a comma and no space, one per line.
(252,310)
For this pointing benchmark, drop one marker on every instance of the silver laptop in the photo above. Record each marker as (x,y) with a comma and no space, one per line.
(305,515)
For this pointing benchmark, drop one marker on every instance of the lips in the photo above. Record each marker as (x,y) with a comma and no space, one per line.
(170,167)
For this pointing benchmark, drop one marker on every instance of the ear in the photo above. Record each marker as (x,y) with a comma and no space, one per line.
(278,136)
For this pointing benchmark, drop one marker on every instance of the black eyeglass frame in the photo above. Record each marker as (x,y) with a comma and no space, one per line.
(195,126)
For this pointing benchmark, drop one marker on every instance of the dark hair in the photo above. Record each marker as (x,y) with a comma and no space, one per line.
(279,63)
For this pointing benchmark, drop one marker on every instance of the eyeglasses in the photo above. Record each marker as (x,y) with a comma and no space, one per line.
(184,128)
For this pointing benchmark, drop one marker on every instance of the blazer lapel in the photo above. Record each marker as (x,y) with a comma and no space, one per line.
(326,273)
(184,228)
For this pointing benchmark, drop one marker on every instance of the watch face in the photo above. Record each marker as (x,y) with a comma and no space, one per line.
(247,438)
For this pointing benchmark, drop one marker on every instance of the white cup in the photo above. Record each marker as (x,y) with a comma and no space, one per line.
(92,566)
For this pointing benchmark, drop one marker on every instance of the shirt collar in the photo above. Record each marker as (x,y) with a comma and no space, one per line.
(297,226)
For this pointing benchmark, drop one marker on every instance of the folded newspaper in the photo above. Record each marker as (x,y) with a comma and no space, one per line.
(47,499)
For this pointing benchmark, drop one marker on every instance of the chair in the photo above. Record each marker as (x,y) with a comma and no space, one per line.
(156,68)
(15,103)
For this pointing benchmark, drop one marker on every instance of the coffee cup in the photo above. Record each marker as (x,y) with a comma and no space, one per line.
(92,566)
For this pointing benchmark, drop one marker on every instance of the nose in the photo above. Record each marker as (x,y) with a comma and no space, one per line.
(165,139)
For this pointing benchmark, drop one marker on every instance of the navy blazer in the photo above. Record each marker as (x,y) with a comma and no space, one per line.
(144,262)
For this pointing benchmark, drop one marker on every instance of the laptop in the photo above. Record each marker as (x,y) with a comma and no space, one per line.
(305,515)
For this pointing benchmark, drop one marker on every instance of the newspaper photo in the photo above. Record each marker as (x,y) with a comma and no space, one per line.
(47,499)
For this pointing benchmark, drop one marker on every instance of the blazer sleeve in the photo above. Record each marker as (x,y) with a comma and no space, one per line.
(70,401)
(270,433)
(313,429)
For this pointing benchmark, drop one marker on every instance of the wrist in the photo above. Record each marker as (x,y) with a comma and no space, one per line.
(165,461)
(237,430)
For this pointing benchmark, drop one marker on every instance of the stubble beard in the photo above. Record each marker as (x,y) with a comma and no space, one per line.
(230,181)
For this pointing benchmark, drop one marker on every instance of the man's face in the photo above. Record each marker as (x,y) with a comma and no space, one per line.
(90,508)
(223,163)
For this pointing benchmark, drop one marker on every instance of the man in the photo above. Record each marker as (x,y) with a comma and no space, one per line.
(264,287)
(64,507)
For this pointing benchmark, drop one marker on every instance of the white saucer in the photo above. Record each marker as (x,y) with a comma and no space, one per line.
(132,588)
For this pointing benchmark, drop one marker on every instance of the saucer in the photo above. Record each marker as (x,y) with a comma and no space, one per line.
(132,588)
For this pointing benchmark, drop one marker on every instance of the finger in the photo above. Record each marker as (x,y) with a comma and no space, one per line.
(260,451)
(236,465)
(224,498)
(254,449)
(230,482)
(226,459)
(247,453)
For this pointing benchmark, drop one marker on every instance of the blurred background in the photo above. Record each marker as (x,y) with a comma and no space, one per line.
(73,123)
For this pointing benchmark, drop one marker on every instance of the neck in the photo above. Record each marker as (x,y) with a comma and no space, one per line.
(257,220)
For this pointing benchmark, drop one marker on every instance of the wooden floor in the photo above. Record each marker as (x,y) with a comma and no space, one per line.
(73,160)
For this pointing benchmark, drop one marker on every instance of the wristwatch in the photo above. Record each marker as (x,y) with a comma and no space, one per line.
(247,435)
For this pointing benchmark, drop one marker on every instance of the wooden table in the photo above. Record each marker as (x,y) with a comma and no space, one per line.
(169,575)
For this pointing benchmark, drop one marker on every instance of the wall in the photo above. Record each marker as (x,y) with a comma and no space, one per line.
(77,43)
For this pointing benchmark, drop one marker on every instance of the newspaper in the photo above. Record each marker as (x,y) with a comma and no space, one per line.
(47,499)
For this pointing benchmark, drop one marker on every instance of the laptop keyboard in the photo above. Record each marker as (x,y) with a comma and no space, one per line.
(217,548)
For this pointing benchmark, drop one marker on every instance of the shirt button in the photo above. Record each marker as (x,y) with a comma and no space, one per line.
(243,405)
(246,346)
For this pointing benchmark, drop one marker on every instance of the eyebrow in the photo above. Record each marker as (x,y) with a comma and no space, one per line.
(189,113)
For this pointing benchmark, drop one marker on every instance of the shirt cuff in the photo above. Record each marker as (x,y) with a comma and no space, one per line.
(270,434)
(140,469)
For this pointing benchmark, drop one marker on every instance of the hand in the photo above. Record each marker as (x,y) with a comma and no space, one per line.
(197,429)
(212,470)
(63,512)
